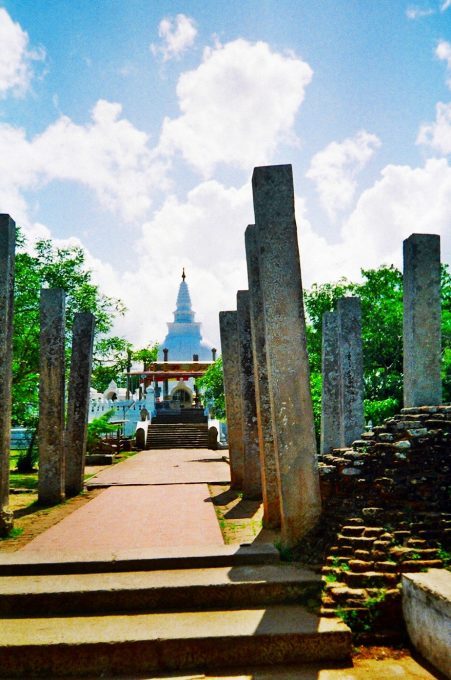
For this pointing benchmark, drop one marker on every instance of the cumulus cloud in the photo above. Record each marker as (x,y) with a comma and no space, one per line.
(237,106)
(177,36)
(437,135)
(335,168)
(405,200)
(108,155)
(16,57)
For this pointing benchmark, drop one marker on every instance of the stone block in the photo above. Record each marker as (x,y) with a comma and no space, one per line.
(268,453)
(422,321)
(233,398)
(331,377)
(252,483)
(426,604)
(51,397)
(286,349)
(351,369)
(78,402)
(7,268)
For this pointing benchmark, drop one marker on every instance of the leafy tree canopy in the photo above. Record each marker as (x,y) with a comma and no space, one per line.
(48,266)
(211,387)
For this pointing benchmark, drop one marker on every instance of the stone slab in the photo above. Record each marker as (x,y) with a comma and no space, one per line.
(209,588)
(125,517)
(422,320)
(228,328)
(171,466)
(141,559)
(286,351)
(167,641)
(426,604)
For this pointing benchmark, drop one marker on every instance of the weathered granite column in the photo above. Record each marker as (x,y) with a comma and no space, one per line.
(51,397)
(422,320)
(78,402)
(351,369)
(7,260)
(286,350)
(252,482)
(232,389)
(268,456)
(331,393)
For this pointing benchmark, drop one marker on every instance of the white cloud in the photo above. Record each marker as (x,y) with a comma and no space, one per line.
(437,135)
(177,36)
(108,155)
(418,12)
(237,106)
(446,4)
(15,57)
(405,200)
(443,52)
(334,170)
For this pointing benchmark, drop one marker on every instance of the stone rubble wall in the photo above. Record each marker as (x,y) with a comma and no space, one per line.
(387,512)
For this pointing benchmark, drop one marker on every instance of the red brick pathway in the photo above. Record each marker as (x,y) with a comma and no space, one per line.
(157,499)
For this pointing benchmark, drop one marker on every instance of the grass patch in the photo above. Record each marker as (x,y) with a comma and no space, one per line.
(14,533)
(21,481)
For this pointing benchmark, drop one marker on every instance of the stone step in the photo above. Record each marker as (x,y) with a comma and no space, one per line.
(150,559)
(136,643)
(180,590)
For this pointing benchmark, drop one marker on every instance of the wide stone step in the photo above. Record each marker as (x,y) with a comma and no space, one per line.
(150,559)
(181,590)
(136,643)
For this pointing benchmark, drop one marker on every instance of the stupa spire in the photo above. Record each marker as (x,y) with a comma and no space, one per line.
(184,335)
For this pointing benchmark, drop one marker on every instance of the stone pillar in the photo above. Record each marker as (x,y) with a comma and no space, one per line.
(422,320)
(351,369)
(213,353)
(331,392)
(232,389)
(165,388)
(51,397)
(268,456)
(165,354)
(7,259)
(78,402)
(286,350)
(252,483)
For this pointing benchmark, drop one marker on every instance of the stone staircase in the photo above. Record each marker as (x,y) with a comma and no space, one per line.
(236,607)
(180,429)
(177,436)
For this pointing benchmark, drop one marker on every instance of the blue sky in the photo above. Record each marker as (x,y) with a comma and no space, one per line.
(132,127)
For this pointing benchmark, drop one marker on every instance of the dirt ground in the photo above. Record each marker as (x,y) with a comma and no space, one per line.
(31,519)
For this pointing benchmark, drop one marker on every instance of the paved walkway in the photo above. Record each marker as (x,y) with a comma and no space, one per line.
(156,499)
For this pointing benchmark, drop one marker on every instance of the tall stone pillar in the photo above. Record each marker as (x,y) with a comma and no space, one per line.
(351,369)
(78,402)
(422,320)
(331,392)
(268,456)
(7,259)
(51,397)
(252,484)
(286,350)
(232,389)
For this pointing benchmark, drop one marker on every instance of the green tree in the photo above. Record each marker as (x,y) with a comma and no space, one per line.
(112,360)
(48,266)
(382,336)
(211,387)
